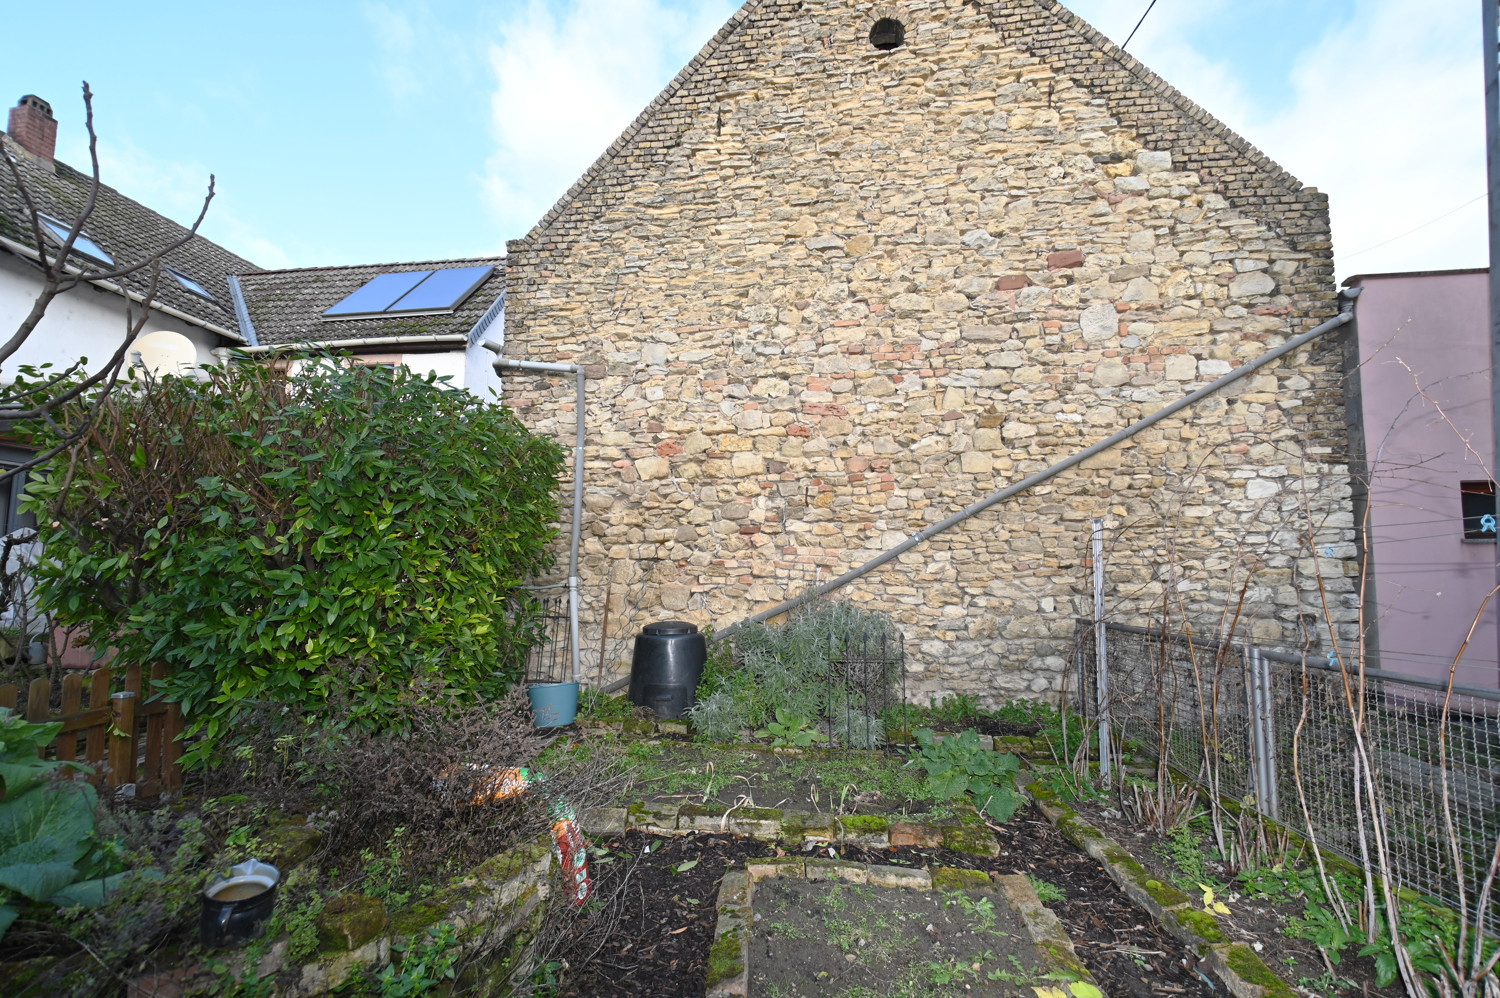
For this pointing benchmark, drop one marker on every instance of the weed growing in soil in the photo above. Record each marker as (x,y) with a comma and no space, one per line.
(791,731)
(959,765)
(1045,892)
(1184,851)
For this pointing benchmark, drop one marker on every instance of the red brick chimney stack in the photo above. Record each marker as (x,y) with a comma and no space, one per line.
(32,125)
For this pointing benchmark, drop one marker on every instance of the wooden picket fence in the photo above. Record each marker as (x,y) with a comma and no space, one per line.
(130,737)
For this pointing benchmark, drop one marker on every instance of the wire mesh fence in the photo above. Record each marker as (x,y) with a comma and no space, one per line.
(550,658)
(1278,732)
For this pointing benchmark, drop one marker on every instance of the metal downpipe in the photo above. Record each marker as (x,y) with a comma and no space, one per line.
(500,364)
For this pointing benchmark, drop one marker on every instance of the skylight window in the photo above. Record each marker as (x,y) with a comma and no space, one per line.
(418,292)
(191,285)
(83,245)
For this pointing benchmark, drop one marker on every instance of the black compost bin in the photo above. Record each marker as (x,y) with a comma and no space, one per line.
(666,667)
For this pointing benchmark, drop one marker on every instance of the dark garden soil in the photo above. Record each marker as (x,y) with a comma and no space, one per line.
(1251,920)
(660,923)
(1122,947)
(831,938)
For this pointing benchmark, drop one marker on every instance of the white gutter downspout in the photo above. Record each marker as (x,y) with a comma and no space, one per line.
(1042,476)
(20,249)
(502,363)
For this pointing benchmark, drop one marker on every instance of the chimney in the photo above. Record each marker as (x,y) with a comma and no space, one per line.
(33,127)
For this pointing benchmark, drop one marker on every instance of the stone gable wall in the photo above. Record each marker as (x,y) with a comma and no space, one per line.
(828,295)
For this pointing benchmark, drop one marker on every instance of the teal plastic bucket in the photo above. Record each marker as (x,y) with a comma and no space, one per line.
(554,704)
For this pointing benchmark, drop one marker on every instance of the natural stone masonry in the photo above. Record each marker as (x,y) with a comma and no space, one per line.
(827,295)
(799,829)
(497,907)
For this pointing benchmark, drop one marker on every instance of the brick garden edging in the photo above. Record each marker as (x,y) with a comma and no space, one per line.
(1238,966)
(729,959)
(967,833)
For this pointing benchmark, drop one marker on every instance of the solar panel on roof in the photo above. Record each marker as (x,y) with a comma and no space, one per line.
(421,291)
(83,245)
(378,295)
(443,290)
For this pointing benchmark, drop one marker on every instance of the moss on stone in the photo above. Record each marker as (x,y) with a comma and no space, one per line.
(349,921)
(418,918)
(636,726)
(725,959)
(976,841)
(759,813)
(1060,959)
(1040,791)
(505,865)
(288,846)
(1243,961)
(1199,923)
(864,824)
(702,811)
(947,878)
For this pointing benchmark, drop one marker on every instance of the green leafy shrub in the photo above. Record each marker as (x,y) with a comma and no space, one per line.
(960,764)
(793,667)
(276,538)
(48,850)
(791,731)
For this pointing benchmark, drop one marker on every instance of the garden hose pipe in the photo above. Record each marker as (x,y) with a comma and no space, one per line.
(568,842)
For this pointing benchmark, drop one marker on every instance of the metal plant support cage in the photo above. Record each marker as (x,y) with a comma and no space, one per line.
(550,659)
(866,681)
(1260,707)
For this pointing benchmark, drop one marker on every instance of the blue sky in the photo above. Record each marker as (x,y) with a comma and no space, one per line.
(347,132)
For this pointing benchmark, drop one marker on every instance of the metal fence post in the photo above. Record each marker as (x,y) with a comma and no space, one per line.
(1102,681)
(1261,737)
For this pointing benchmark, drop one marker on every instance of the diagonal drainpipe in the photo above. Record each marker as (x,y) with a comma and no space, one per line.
(1010,491)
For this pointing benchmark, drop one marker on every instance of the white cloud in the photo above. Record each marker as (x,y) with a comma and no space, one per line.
(1385,115)
(397,41)
(569,81)
(1389,122)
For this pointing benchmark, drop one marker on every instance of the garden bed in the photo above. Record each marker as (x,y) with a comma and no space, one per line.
(836,938)
(1127,953)
(655,940)
(1267,923)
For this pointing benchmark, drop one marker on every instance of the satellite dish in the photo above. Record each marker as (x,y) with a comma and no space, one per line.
(165,352)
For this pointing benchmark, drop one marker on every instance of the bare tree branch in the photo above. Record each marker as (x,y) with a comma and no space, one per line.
(37,401)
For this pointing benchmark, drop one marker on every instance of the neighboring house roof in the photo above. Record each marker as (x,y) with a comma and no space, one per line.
(128,231)
(1350,282)
(286,306)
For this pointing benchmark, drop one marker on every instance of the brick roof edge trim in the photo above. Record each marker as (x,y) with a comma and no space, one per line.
(1171,94)
(641,120)
(1150,80)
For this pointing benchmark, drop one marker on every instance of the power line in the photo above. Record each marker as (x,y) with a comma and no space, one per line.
(1138,25)
(1417,229)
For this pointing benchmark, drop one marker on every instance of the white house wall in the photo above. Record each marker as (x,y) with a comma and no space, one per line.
(85,322)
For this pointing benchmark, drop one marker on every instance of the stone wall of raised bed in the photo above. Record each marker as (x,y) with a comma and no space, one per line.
(498,907)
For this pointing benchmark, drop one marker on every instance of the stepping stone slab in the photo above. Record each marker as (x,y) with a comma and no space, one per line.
(833,937)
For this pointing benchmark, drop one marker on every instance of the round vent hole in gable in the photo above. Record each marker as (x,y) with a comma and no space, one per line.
(888,33)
